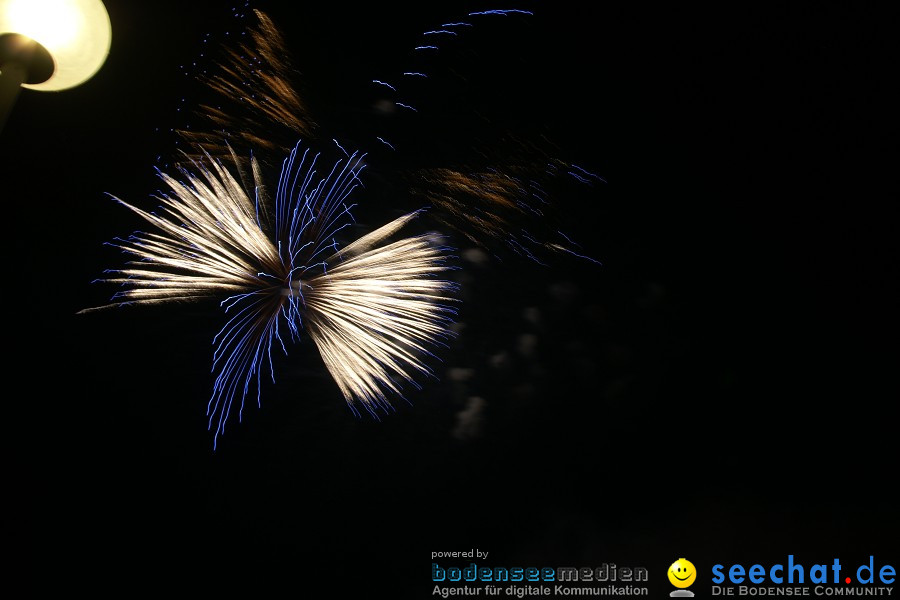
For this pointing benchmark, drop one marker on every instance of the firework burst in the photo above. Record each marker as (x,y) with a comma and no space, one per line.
(374,308)
(497,196)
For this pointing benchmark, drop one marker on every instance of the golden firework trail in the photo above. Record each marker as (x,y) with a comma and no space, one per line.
(255,103)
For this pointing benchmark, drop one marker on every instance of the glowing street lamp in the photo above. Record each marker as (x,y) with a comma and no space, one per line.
(49,45)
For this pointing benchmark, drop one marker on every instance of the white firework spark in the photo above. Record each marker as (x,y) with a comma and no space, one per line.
(373,308)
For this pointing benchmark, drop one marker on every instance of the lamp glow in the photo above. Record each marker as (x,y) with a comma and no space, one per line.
(76,33)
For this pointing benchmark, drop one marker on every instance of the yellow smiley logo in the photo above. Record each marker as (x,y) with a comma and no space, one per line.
(682,573)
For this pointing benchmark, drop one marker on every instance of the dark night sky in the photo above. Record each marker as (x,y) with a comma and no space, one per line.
(722,388)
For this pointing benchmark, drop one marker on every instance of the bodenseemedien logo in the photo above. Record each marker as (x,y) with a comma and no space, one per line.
(682,574)
(608,579)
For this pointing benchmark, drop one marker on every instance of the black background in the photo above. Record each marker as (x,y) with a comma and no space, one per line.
(723,388)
